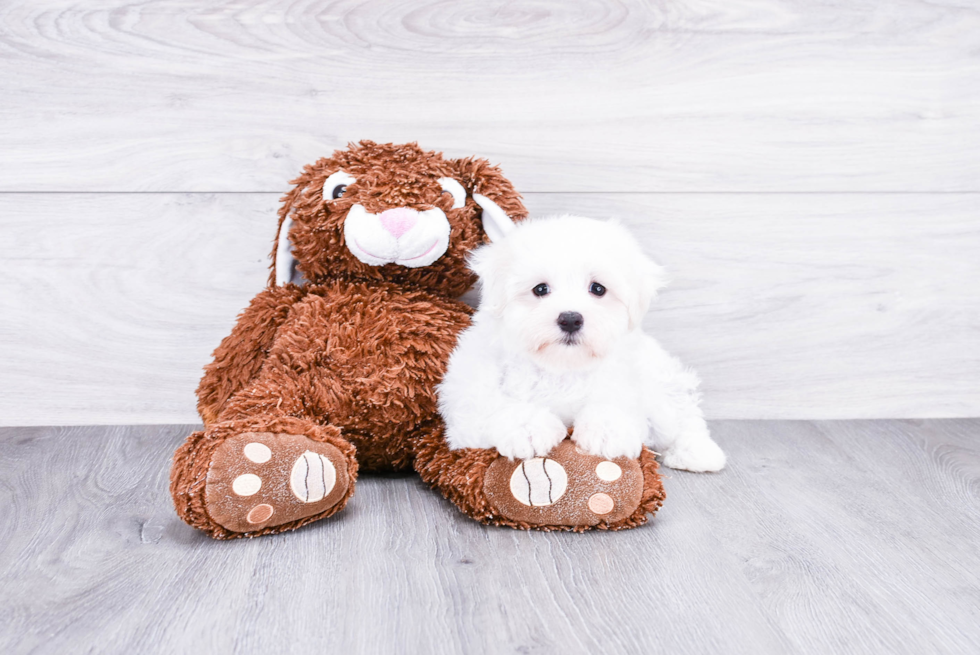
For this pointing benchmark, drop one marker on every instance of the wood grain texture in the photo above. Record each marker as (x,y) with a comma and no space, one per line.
(856,537)
(788,305)
(842,550)
(590,95)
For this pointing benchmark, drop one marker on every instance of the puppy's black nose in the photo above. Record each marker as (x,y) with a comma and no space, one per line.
(570,322)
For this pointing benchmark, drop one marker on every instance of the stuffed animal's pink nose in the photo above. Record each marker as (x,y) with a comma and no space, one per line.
(399,221)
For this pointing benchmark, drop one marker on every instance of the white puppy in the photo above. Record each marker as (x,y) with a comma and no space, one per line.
(557,343)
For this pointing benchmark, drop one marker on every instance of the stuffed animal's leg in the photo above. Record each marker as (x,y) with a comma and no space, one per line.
(567,490)
(261,474)
(240,356)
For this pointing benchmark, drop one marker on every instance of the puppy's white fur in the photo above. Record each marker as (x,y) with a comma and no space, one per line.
(516,381)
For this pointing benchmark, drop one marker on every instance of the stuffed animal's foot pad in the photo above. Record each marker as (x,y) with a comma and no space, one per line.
(569,487)
(260,479)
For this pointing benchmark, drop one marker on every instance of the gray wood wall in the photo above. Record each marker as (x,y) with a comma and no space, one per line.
(808,172)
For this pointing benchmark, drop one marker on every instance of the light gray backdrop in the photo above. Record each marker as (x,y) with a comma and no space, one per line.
(809,174)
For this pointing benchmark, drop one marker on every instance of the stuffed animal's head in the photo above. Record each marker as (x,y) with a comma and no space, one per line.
(393,213)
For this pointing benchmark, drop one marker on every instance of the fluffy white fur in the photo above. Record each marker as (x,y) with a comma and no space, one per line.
(516,381)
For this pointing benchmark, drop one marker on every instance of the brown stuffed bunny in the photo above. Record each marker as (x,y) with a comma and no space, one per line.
(334,365)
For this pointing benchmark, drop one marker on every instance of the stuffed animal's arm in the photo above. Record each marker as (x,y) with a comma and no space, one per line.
(241,354)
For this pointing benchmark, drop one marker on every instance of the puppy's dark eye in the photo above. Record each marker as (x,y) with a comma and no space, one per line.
(597,289)
(338,191)
(541,290)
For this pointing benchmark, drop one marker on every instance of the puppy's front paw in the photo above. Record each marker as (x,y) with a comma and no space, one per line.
(610,432)
(525,431)
(700,456)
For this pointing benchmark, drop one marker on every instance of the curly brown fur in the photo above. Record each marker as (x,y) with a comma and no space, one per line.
(238,359)
(363,356)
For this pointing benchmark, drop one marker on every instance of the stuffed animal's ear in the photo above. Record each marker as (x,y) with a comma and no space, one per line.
(306,197)
(496,223)
(493,192)
(283,263)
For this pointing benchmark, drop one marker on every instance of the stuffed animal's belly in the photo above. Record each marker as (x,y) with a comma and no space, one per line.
(369,361)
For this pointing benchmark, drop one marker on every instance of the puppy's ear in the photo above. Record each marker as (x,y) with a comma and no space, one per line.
(493,192)
(486,262)
(651,278)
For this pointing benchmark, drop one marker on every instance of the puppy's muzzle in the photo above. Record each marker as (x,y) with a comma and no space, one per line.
(570,322)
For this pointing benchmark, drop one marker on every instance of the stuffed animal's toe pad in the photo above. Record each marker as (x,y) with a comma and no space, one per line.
(569,487)
(260,479)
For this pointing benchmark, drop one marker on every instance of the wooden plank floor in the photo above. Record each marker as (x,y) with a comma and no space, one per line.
(821,537)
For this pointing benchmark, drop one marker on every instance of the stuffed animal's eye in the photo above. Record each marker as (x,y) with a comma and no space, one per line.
(541,290)
(335,185)
(597,289)
(455,189)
